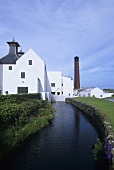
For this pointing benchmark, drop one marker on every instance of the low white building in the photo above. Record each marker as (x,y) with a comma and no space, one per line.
(93,92)
(26,73)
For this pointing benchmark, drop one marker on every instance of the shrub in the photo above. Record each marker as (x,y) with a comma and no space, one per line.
(98,151)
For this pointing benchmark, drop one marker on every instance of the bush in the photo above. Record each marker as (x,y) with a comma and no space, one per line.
(18,98)
(98,151)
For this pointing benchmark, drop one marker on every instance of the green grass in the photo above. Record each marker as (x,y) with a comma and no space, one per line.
(104,106)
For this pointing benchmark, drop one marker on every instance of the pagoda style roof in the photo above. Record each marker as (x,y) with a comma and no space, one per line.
(12,56)
(13,42)
(9,59)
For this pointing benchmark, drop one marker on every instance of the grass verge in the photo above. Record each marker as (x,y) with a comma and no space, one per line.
(104,106)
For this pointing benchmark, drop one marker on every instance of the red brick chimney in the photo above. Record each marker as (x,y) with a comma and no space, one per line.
(76,73)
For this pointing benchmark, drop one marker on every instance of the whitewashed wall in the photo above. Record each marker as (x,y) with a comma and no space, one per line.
(98,93)
(33,73)
(67,86)
(1,78)
(55,77)
(84,94)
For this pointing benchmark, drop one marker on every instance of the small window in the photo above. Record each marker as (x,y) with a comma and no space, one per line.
(22,74)
(53,93)
(52,84)
(58,93)
(6,92)
(30,62)
(0,91)
(62,92)
(22,90)
(10,67)
(62,84)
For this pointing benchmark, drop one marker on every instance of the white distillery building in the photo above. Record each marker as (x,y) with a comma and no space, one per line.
(61,86)
(26,73)
(92,92)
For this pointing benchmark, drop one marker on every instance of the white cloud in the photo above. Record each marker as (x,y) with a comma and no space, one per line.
(60,30)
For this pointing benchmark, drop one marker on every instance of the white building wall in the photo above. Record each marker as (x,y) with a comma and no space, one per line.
(84,94)
(46,89)
(1,78)
(67,86)
(33,74)
(55,77)
(96,92)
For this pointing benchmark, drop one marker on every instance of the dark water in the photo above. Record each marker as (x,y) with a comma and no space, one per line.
(64,145)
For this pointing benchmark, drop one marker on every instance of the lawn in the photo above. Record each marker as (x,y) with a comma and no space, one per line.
(104,106)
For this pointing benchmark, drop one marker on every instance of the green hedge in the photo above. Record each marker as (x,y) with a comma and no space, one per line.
(18,114)
(18,98)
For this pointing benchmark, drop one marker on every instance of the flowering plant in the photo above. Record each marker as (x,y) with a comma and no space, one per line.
(108,147)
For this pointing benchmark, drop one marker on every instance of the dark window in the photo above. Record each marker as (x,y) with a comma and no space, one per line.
(62,84)
(52,84)
(53,93)
(62,92)
(22,74)
(0,91)
(100,95)
(58,93)
(6,92)
(10,67)
(22,89)
(30,62)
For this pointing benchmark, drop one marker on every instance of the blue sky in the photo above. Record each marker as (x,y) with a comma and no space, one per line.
(59,30)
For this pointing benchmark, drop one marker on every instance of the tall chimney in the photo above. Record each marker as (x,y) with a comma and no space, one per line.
(76,73)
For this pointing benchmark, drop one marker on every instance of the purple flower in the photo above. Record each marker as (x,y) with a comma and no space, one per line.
(110,156)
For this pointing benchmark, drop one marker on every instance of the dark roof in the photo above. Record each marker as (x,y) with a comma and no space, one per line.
(13,42)
(9,59)
(12,57)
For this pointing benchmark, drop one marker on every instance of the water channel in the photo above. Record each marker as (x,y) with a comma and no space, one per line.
(63,145)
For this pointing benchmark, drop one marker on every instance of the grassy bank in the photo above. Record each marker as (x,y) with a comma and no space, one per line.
(104,106)
(20,119)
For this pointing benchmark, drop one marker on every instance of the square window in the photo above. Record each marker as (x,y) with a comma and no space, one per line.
(53,93)
(30,62)
(52,84)
(58,93)
(10,67)
(22,74)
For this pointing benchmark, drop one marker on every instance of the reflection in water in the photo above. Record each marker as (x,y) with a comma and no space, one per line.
(64,145)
